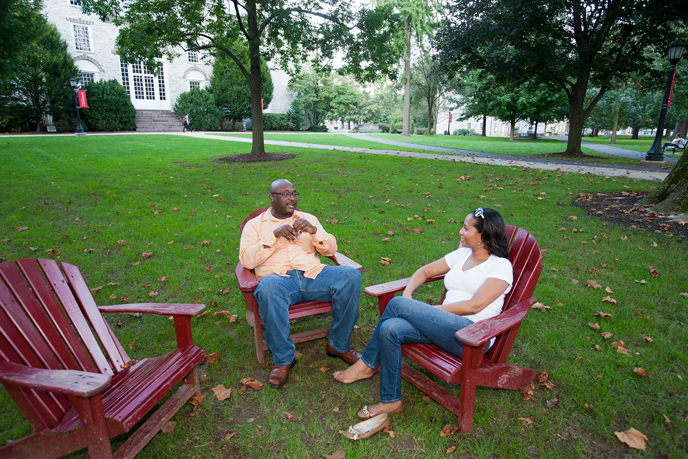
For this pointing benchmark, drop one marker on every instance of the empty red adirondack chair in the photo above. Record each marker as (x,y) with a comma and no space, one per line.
(248,283)
(476,368)
(74,395)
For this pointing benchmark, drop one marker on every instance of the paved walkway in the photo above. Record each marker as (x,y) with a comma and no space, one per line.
(452,154)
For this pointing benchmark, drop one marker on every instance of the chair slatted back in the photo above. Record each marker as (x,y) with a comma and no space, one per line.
(251,216)
(47,320)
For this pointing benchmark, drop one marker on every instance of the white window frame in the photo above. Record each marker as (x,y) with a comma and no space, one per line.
(193,57)
(88,36)
(93,78)
(195,84)
(75,3)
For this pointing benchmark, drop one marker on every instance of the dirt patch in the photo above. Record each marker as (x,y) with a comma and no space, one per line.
(249,158)
(622,208)
(565,156)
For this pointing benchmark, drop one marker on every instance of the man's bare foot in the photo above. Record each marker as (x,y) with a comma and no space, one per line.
(355,372)
(390,408)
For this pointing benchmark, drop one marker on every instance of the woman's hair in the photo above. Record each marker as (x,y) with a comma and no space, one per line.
(492,231)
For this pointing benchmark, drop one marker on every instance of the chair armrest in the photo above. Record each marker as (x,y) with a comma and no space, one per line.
(394,286)
(69,382)
(343,260)
(247,280)
(479,333)
(162,309)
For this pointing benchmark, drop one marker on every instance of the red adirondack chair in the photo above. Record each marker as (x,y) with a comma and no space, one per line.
(476,368)
(74,395)
(248,283)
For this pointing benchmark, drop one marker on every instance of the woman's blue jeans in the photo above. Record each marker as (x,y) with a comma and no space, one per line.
(339,284)
(409,321)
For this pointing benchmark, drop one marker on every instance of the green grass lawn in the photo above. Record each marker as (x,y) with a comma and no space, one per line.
(168,194)
(642,144)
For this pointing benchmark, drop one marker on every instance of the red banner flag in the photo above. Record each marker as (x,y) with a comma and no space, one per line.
(83,103)
(671,93)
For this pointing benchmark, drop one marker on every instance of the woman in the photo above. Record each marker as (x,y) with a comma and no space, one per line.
(478,275)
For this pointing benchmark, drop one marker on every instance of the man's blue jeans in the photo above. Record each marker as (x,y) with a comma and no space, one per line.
(408,321)
(339,284)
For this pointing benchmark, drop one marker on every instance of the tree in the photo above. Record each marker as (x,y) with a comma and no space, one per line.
(314,94)
(419,18)
(202,109)
(39,84)
(231,90)
(571,43)
(431,88)
(287,30)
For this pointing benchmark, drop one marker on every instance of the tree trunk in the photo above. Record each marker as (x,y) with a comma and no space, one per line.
(406,130)
(576,120)
(484,125)
(634,132)
(511,133)
(616,125)
(255,81)
(681,128)
(535,131)
(672,194)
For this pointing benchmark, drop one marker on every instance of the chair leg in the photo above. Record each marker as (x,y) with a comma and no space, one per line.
(91,413)
(192,380)
(466,406)
(258,338)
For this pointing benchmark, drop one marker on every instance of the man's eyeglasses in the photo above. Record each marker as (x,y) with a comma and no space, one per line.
(479,213)
(286,194)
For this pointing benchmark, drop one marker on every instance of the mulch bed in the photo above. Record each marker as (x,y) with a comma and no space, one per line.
(249,158)
(623,208)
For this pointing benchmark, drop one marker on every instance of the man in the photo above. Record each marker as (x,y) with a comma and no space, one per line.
(280,245)
(676,140)
(185,121)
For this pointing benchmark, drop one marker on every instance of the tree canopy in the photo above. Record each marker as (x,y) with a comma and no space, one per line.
(570,43)
(281,31)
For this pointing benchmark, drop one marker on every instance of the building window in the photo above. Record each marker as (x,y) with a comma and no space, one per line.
(125,76)
(161,84)
(82,39)
(75,2)
(138,86)
(193,56)
(468,126)
(194,84)
(86,77)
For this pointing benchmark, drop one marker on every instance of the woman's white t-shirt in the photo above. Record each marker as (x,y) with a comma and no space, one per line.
(461,285)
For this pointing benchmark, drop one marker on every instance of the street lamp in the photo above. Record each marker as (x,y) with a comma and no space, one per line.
(675,52)
(79,129)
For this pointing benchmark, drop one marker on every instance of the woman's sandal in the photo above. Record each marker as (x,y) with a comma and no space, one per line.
(365,414)
(365,429)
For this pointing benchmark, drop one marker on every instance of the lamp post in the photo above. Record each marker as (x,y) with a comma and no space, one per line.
(655,152)
(449,124)
(79,129)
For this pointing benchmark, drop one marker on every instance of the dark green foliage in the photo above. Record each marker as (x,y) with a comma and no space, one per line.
(202,109)
(317,128)
(35,80)
(109,107)
(231,90)
(277,122)
(297,118)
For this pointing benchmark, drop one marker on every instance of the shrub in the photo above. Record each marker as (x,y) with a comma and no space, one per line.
(384,127)
(109,107)
(370,129)
(317,128)
(297,118)
(232,125)
(421,130)
(201,107)
(277,122)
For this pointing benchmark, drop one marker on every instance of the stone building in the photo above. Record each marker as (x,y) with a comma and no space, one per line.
(91,43)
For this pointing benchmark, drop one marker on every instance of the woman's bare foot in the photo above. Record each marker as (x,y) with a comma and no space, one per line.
(380,408)
(355,372)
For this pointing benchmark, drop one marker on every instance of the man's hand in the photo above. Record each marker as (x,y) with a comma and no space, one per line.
(303,226)
(287,232)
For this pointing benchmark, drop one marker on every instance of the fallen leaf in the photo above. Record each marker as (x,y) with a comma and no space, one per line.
(225,291)
(592,284)
(641,315)
(587,406)
(526,421)
(654,273)
(594,326)
(447,430)
(608,290)
(542,377)
(609,299)
(136,263)
(291,417)
(640,371)
(336,455)
(228,436)
(574,281)
(324,369)
(624,238)
(572,218)
(221,393)
(386,239)
(385,261)
(597,347)
(682,293)
(204,378)
(196,400)
(138,315)
(451,449)
(252,383)
(632,438)
(121,242)
(425,398)
(52,251)
(211,358)
(205,243)
(548,384)
(169,427)
(128,364)
(297,355)
(602,314)
(417,230)
(679,377)
(389,431)
(552,403)
(666,419)
(146,254)
(539,305)
(606,335)
(152,294)
(527,392)
(598,377)
(188,247)
(162,279)
(335,409)
(131,344)
(647,339)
